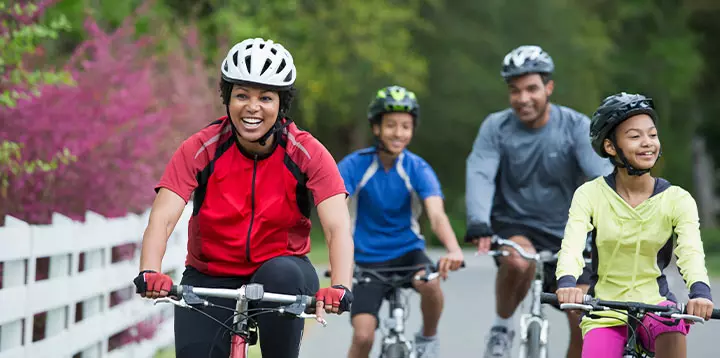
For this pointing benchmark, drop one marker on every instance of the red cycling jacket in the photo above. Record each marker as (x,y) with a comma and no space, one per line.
(248,208)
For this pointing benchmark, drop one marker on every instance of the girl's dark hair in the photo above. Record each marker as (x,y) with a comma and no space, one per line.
(286,96)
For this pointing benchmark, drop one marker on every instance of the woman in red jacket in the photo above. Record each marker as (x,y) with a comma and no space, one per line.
(255,178)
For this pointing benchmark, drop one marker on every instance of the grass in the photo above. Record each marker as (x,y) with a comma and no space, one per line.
(712,260)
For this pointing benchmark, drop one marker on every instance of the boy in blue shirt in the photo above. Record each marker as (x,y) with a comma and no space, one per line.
(388,186)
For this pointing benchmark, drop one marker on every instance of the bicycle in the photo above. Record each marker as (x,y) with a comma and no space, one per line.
(394,342)
(243,330)
(635,312)
(534,326)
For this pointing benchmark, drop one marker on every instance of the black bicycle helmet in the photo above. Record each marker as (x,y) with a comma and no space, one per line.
(612,111)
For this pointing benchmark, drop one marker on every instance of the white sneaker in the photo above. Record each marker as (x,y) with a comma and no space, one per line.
(426,348)
(499,343)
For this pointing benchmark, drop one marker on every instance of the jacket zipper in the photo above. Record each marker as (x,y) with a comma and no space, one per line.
(252,210)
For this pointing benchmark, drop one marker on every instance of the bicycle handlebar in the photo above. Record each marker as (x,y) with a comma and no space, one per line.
(597,304)
(524,254)
(542,256)
(431,273)
(250,292)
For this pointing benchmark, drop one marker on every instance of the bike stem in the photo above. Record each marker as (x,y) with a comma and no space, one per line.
(395,312)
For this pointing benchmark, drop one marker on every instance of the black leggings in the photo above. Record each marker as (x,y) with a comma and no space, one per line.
(280,337)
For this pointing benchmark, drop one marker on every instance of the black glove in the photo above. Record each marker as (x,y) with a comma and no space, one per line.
(476,231)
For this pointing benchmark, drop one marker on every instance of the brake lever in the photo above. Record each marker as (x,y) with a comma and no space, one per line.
(493,253)
(321,321)
(576,306)
(179,303)
(688,317)
(427,277)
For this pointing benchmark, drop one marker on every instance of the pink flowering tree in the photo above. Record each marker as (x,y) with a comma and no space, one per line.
(128,110)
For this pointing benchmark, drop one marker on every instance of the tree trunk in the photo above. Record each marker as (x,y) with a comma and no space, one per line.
(704,170)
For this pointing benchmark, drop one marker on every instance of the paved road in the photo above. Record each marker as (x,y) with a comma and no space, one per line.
(469,312)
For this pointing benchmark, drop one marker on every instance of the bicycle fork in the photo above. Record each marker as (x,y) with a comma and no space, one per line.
(535,316)
(396,324)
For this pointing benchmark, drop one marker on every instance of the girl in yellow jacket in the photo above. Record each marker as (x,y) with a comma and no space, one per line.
(634,217)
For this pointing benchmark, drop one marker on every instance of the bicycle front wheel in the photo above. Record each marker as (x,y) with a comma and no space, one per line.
(534,345)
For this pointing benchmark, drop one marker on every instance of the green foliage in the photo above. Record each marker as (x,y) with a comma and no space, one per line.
(450,53)
(464,70)
(17,41)
(12,163)
(339,47)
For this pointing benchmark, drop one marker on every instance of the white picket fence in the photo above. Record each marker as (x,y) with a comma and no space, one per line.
(63,242)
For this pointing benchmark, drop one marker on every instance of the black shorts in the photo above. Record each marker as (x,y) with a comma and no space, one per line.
(541,241)
(368,297)
(196,334)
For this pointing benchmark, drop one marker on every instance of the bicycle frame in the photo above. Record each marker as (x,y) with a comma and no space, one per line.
(635,311)
(396,309)
(396,328)
(632,348)
(238,345)
(535,313)
(242,337)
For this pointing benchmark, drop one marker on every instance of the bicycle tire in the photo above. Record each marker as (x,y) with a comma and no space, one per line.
(534,346)
(395,350)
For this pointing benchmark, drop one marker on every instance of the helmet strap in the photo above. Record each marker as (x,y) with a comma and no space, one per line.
(624,163)
(380,147)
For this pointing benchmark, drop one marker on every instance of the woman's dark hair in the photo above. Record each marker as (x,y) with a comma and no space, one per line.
(286,96)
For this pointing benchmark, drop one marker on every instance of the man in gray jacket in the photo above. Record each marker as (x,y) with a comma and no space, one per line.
(524,167)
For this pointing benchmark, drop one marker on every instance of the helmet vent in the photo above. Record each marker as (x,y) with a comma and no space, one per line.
(266,66)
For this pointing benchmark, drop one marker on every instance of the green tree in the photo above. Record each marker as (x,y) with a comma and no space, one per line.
(656,53)
(342,49)
(464,71)
(20,36)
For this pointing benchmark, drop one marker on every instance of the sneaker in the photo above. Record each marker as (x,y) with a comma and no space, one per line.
(499,343)
(426,348)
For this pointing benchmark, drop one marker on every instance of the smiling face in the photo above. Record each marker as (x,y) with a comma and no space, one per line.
(637,137)
(529,98)
(395,131)
(253,111)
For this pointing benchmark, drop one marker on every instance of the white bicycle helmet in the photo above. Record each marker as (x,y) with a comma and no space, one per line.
(261,62)
(526,59)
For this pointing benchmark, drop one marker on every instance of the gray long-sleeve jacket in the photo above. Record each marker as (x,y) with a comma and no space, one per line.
(528,176)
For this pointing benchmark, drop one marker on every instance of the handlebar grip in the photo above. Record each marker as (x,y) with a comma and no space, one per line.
(715,313)
(549,298)
(173,291)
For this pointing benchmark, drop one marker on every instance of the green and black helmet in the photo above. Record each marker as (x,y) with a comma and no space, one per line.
(614,110)
(393,99)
